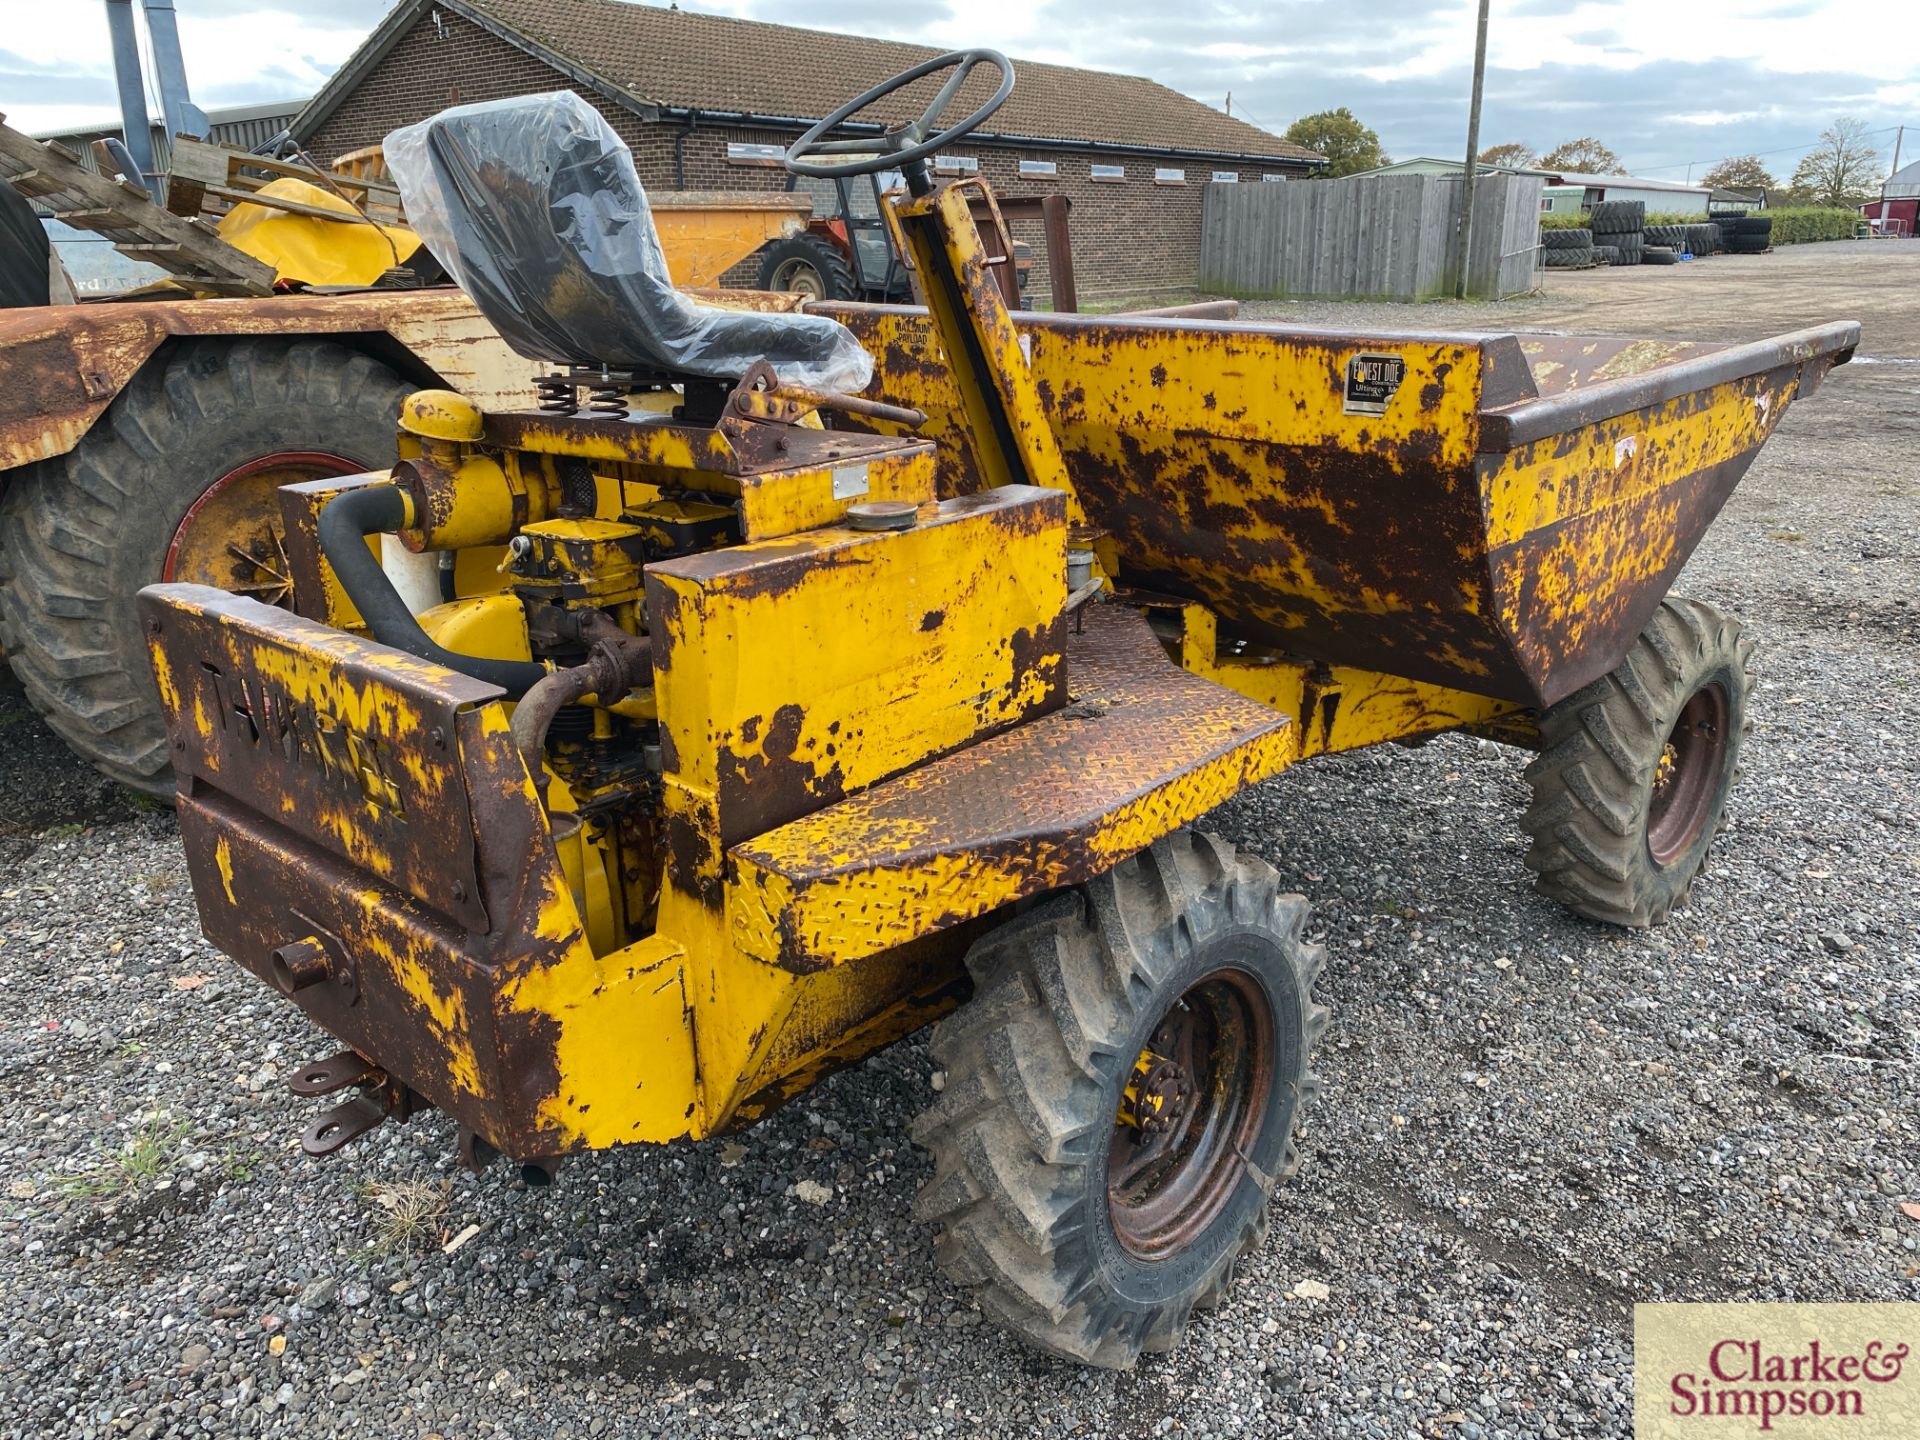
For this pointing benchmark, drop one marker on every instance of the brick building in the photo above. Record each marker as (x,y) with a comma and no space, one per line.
(707,102)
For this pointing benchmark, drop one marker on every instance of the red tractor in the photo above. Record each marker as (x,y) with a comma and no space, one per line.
(848,253)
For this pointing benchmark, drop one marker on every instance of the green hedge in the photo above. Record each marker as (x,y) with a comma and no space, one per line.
(1792,225)
(1798,225)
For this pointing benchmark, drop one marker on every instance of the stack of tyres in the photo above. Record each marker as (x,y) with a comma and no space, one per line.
(1566,249)
(1752,235)
(1619,225)
(1723,224)
(1703,238)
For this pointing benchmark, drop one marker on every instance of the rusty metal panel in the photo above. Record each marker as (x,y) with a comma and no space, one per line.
(405,848)
(1477,534)
(793,671)
(344,741)
(62,365)
(1142,749)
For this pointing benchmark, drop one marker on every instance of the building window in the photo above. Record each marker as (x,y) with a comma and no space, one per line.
(1039,167)
(956,164)
(741,152)
(1273,177)
(1168,175)
(1107,172)
(1226,177)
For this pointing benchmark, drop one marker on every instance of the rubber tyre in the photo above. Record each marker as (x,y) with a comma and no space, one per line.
(1753,225)
(1659,255)
(1593,819)
(1566,239)
(1618,217)
(785,262)
(1607,254)
(1567,259)
(80,534)
(1065,998)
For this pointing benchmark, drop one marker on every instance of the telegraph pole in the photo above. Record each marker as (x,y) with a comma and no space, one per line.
(1473,154)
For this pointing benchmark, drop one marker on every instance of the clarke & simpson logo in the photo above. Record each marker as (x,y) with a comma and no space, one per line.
(1708,1371)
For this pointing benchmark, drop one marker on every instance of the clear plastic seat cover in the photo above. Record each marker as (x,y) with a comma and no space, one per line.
(534,207)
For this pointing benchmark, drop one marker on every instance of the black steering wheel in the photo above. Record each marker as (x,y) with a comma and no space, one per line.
(903,148)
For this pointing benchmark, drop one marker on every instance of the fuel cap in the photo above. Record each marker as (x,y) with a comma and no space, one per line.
(883,515)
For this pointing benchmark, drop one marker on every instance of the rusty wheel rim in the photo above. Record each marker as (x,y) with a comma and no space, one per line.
(231,536)
(1686,779)
(1190,1114)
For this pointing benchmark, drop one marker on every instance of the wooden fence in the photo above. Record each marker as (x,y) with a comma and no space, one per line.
(1385,237)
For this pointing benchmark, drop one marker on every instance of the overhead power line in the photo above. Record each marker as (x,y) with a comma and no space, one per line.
(1757,154)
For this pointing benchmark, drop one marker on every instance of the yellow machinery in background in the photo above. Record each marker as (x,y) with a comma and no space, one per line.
(761,721)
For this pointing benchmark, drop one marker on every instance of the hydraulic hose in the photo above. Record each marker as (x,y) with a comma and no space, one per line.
(345,524)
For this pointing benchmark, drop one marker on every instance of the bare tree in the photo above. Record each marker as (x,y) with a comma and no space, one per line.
(1585,156)
(1845,170)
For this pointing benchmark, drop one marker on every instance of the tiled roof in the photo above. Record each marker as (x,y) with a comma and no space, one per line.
(678,59)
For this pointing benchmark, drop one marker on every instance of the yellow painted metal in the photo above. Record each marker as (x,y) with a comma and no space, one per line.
(440,415)
(1013,439)
(791,672)
(1334,707)
(491,627)
(772,500)
(706,233)
(311,250)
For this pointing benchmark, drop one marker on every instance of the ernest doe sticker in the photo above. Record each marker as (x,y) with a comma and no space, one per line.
(1371,381)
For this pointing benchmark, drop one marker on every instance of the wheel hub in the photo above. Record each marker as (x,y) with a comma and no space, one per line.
(231,536)
(1190,1114)
(1686,777)
(1158,1096)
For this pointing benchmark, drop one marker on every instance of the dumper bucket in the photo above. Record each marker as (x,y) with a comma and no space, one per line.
(1494,513)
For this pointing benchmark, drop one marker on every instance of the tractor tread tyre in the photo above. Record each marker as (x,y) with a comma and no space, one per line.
(1617,217)
(1575,239)
(836,275)
(81,533)
(1593,779)
(1064,997)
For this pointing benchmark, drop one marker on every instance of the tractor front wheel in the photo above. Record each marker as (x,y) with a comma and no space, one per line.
(1631,783)
(178,480)
(1121,1097)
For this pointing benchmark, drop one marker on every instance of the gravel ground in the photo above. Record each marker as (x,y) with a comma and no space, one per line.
(1530,1122)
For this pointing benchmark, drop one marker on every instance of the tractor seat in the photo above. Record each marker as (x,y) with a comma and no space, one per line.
(534,206)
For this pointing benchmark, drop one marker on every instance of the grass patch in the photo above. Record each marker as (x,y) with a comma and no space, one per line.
(406,1213)
(141,1160)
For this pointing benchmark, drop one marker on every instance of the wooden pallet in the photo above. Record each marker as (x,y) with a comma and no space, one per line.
(203,176)
(124,213)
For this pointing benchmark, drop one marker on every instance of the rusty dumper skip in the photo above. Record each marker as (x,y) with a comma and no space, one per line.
(767,722)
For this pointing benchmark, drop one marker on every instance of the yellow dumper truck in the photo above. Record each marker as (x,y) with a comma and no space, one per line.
(811,678)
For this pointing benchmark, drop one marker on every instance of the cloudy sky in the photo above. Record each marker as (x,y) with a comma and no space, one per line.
(1664,82)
